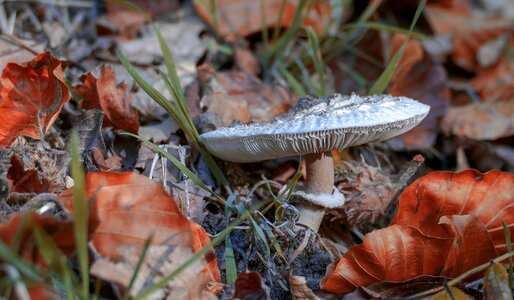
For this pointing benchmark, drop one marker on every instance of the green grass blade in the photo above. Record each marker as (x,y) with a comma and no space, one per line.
(220,237)
(56,260)
(317,59)
(172,110)
(230,258)
(80,214)
(508,242)
(176,162)
(176,88)
(264,27)
(281,44)
(276,28)
(242,210)
(230,262)
(140,262)
(293,83)
(383,81)
(9,256)
(384,27)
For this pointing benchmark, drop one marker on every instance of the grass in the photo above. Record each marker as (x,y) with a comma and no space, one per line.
(279,60)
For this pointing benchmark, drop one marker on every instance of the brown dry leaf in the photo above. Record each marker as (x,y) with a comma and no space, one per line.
(394,253)
(472,245)
(496,283)
(419,77)
(32,95)
(249,285)
(393,290)
(19,229)
(299,289)
(129,208)
(124,24)
(236,18)
(496,83)
(160,261)
(480,121)
(211,270)
(489,197)
(34,171)
(453,294)
(246,61)
(113,99)
(252,99)
(402,252)
(469,32)
(152,8)
(25,181)
(228,108)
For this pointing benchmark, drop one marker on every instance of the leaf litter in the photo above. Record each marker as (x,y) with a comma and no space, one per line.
(237,64)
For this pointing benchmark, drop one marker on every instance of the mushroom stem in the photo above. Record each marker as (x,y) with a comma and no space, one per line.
(320,180)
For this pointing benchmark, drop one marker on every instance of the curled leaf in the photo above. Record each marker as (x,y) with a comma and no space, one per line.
(32,95)
(489,197)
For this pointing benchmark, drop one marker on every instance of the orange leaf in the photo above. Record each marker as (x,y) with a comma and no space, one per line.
(489,197)
(242,18)
(472,245)
(32,95)
(200,240)
(129,208)
(468,32)
(19,229)
(114,100)
(394,253)
(420,78)
(480,121)
(496,83)
(401,252)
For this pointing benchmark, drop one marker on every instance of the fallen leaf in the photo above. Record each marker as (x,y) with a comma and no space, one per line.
(152,8)
(18,232)
(111,98)
(200,240)
(392,290)
(249,285)
(160,261)
(253,100)
(300,290)
(394,253)
(402,252)
(32,95)
(472,245)
(496,283)
(452,293)
(496,83)
(233,18)
(129,209)
(480,121)
(488,197)
(246,61)
(228,108)
(25,181)
(469,32)
(123,24)
(419,77)
(34,171)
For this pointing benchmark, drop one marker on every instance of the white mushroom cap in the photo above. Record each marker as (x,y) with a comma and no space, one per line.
(317,125)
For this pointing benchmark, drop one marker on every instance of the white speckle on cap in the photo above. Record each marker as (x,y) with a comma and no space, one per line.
(317,125)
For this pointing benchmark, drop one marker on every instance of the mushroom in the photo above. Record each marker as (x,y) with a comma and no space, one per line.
(313,128)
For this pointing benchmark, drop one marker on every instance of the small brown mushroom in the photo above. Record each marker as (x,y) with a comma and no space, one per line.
(313,128)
